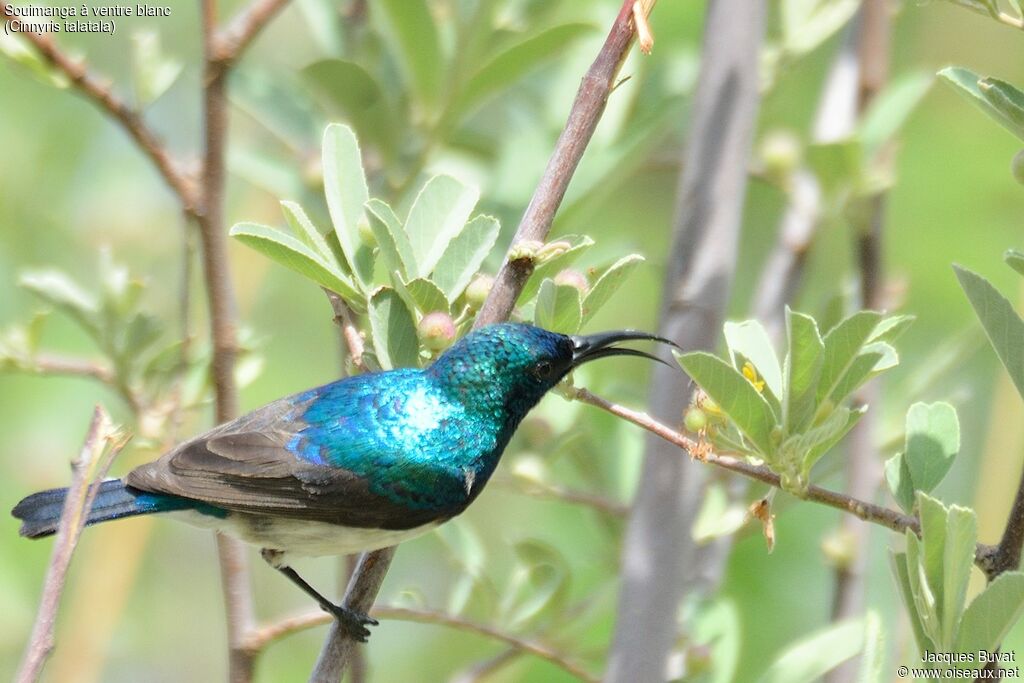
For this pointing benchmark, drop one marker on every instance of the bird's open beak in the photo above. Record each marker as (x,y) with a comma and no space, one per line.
(601,345)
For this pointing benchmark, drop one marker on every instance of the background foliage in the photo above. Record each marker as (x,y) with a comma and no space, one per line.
(73,185)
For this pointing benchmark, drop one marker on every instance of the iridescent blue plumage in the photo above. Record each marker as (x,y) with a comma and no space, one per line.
(357,464)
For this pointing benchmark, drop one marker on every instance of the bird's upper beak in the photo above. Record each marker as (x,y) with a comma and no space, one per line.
(601,345)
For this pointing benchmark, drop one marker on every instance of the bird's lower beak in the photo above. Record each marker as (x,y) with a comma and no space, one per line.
(601,345)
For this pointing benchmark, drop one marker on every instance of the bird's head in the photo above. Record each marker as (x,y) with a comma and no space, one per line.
(508,367)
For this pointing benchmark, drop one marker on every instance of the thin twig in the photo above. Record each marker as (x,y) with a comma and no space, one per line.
(486,668)
(362,591)
(545,491)
(586,111)
(100,93)
(869,512)
(264,636)
(235,38)
(102,443)
(344,318)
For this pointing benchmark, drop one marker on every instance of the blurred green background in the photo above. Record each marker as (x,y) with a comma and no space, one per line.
(143,601)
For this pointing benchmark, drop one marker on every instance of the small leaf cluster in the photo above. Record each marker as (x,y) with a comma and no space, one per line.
(790,414)
(933,575)
(412,278)
(1002,101)
(137,362)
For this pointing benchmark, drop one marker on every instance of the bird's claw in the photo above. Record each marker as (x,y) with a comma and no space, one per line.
(353,623)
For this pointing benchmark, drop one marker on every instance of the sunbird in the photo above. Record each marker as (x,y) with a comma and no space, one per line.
(359,464)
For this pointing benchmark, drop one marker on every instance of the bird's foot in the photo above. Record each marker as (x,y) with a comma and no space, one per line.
(353,623)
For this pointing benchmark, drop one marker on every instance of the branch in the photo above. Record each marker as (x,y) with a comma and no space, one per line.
(869,512)
(264,636)
(659,557)
(343,317)
(545,491)
(102,443)
(362,591)
(100,93)
(586,111)
(231,41)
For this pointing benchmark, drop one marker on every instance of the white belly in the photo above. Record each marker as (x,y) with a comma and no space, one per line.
(302,538)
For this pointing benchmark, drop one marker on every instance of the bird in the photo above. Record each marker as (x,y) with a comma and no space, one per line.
(359,464)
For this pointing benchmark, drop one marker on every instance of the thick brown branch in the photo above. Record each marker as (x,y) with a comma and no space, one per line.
(586,111)
(100,93)
(102,444)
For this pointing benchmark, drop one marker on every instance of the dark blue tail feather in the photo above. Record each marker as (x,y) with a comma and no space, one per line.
(40,513)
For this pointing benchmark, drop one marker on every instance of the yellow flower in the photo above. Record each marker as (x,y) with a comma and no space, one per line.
(751,374)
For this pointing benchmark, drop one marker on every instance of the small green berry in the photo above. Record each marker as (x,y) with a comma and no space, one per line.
(780,153)
(695,420)
(478,289)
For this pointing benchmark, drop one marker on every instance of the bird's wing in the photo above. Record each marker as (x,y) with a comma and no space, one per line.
(254,472)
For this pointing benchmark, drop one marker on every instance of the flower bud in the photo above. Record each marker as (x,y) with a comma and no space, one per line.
(436,331)
(695,420)
(780,153)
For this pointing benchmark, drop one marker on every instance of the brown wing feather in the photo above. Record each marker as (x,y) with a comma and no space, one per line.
(252,472)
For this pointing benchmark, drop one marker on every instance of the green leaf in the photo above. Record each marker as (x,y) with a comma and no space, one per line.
(875,358)
(890,110)
(413,35)
(394,330)
(873,658)
(750,340)
(516,62)
(141,332)
(717,517)
(577,245)
(891,328)
(843,343)
(395,249)
(734,395)
(293,254)
(924,601)
(303,227)
(932,443)
(437,216)
(353,93)
(1015,259)
(345,189)
(900,567)
(806,24)
(810,658)
(808,447)
(901,483)
(607,283)
(558,308)
(991,615)
(1004,328)
(153,72)
(539,584)
(16,48)
(961,535)
(996,98)
(60,291)
(802,369)
(465,254)
(428,296)
(933,541)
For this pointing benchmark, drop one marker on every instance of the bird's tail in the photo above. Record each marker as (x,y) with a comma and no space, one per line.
(40,513)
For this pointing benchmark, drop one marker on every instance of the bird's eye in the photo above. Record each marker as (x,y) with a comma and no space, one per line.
(542,370)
